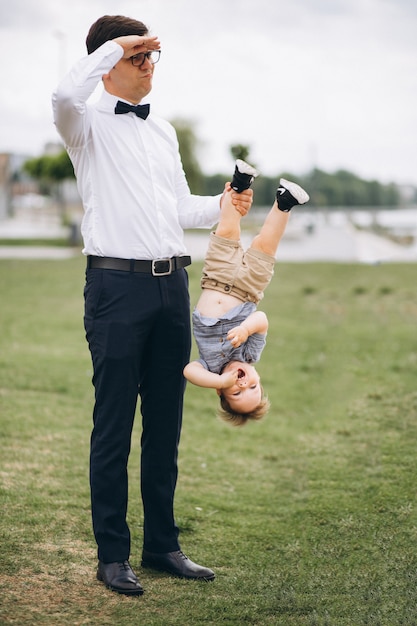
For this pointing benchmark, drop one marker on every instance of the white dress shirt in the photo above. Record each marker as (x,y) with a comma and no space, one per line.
(129,172)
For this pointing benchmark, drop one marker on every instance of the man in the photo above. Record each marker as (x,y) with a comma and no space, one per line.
(136,204)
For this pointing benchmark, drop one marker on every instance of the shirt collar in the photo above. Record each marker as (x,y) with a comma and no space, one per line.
(107,101)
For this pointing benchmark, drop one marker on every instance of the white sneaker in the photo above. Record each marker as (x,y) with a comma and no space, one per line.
(289,194)
(243,176)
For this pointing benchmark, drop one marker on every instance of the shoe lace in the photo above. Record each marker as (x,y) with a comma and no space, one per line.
(182,556)
(124,565)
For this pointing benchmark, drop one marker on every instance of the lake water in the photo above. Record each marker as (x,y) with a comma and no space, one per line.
(336,235)
(311,235)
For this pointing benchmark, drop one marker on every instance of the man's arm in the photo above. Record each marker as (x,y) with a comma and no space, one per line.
(71,95)
(198,375)
(205,211)
(256,322)
(133,44)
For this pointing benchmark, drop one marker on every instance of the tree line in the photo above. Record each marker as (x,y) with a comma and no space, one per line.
(338,189)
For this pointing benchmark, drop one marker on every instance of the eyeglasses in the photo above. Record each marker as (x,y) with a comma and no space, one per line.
(139,59)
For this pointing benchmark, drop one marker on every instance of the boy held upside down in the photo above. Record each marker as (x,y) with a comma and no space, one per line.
(229,330)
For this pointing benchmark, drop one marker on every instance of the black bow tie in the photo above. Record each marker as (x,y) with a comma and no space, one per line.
(141,110)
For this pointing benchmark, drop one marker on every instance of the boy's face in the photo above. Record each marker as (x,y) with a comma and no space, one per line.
(246,393)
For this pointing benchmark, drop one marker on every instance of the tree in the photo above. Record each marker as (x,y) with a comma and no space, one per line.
(188,144)
(50,168)
(240,151)
(51,171)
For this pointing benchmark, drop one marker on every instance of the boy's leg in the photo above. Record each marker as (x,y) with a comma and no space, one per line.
(229,224)
(272,230)
(288,195)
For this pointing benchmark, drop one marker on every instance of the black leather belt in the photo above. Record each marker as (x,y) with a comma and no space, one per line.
(156,267)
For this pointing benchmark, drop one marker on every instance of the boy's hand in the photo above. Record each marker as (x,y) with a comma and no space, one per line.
(237,336)
(228,379)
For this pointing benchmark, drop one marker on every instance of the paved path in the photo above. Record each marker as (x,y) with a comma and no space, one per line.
(39,227)
(329,240)
(37,252)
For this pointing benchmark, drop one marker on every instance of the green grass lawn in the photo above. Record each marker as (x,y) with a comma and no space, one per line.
(308,517)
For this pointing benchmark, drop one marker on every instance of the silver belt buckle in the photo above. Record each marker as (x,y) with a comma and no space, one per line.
(168,263)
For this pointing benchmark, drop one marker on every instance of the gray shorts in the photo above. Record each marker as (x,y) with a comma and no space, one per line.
(230,269)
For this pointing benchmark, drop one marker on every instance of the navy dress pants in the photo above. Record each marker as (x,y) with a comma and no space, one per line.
(138,330)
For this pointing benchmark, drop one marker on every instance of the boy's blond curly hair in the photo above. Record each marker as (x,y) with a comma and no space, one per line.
(233,418)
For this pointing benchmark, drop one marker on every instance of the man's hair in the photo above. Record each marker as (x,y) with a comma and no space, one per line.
(111,26)
(234,418)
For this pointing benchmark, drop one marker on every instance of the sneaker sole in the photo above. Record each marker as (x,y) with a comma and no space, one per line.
(295,190)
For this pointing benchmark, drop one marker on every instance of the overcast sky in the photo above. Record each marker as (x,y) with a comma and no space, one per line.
(305,83)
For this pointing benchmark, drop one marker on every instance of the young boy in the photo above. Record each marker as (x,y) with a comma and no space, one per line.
(229,331)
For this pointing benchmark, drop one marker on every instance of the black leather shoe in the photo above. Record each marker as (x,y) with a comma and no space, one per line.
(176,563)
(119,577)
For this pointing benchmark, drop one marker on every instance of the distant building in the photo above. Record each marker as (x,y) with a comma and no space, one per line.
(408,194)
(16,185)
(5,188)
(13,181)
(53,148)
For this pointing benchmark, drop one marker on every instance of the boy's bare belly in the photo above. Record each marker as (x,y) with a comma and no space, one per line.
(214,303)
